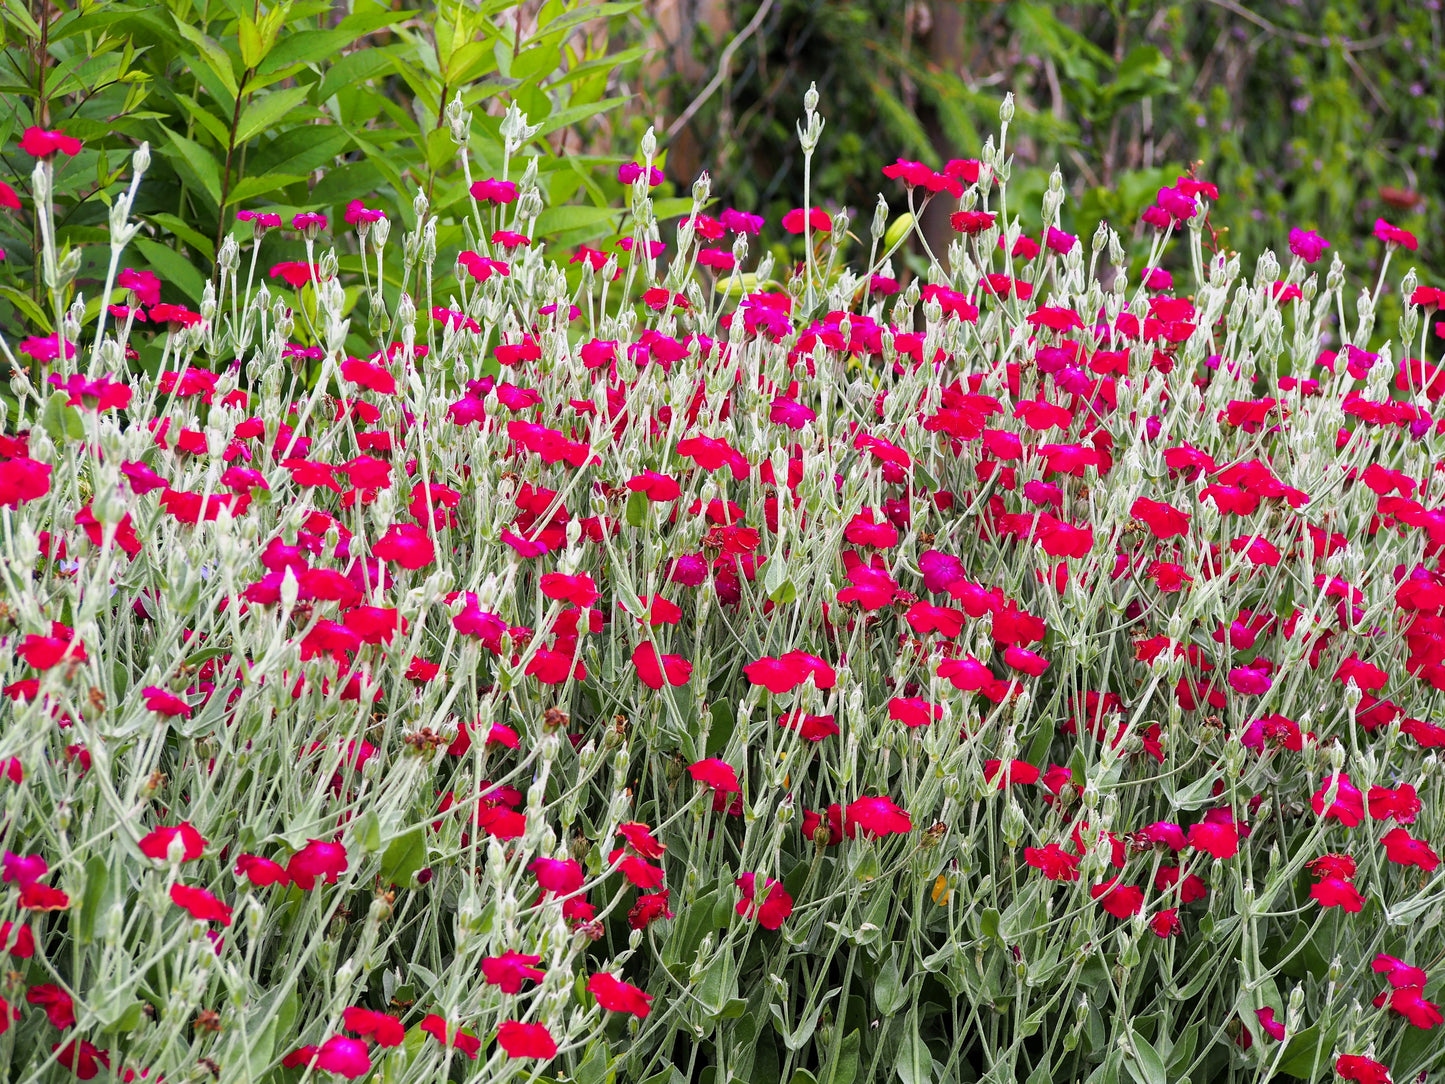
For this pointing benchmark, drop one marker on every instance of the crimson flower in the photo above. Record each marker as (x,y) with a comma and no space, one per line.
(1053,861)
(641,839)
(1336,892)
(647,909)
(526,1040)
(818,219)
(58,1006)
(1165,923)
(614,995)
(1121,901)
(84,1059)
(465,1041)
(777,905)
(1405,850)
(22,870)
(202,905)
(877,817)
(386,1030)
(40,143)
(157,842)
(1349,805)
(164,702)
(1272,1027)
(1397,972)
(407,544)
(317,859)
(344,1057)
(38,897)
(510,970)
(1409,1002)
(492,190)
(261,871)
(562,876)
(1361,1070)
(1219,839)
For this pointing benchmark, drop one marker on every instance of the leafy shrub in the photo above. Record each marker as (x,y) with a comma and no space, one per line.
(301,110)
(629,671)
(1315,114)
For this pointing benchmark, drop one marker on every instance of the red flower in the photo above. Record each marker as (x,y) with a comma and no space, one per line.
(1164,520)
(59,1008)
(38,897)
(636,870)
(1121,901)
(19,941)
(818,219)
(202,906)
(913,711)
(578,590)
(23,480)
(407,544)
(810,727)
(386,1030)
(317,859)
(971,222)
(22,870)
(1333,865)
(777,905)
(44,652)
(157,842)
(562,876)
(83,1058)
(1349,805)
(640,838)
(1397,972)
(1220,840)
(261,871)
(658,487)
(464,1041)
(614,995)
(344,1057)
(1401,803)
(492,190)
(40,143)
(1409,1002)
(653,668)
(1404,850)
(647,909)
(1362,1070)
(1056,863)
(1335,892)
(8,199)
(717,774)
(526,1040)
(1272,1027)
(785,673)
(165,703)
(877,817)
(1019,771)
(510,969)
(368,375)
(1165,923)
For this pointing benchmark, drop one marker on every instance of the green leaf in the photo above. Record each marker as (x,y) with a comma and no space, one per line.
(718,984)
(183,230)
(1145,1066)
(95,896)
(26,304)
(724,722)
(844,1068)
(404,856)
(635,512)
(194,163)
(250,187)
(1308,1048)
(268,110)
(211,53)
(913,1063)
(61,420)
(889,994)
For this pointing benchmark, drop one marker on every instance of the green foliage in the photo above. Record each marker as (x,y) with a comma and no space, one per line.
(1318,115)
(287,108)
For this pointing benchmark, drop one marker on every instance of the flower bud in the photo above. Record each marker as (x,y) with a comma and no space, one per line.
(1006,110)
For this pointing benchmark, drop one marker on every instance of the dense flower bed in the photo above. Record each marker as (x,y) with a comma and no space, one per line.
(640,669)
